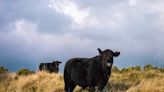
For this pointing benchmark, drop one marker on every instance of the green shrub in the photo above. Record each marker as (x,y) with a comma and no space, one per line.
(148,67)
(130,69)
(137,68)
(3,70)
(124,70)
(24,72)
(115,69)
(127,70)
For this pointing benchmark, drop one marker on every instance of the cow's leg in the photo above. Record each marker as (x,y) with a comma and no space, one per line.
(66,87)
(102,84)
(71,86)
(91,89)
(82,88)
(67,83)
(100,87)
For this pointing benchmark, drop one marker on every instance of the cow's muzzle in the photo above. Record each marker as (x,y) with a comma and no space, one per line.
(109,64)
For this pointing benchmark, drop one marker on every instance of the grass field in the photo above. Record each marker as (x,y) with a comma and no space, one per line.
(134,81)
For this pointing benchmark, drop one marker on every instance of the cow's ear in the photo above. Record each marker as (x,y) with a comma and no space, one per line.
(100,52)
(117,53)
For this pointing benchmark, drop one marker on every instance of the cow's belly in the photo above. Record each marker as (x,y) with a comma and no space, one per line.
(80,80)
(81,83)
(79,76)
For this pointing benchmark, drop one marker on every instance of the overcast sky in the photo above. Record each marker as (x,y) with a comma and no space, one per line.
(34,31)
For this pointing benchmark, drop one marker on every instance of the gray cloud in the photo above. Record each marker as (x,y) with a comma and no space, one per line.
(37,11)
(34,32)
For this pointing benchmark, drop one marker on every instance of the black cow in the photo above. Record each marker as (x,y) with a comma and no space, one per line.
(50,67)
(89,72)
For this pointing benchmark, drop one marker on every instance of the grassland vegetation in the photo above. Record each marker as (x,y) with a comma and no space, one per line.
(131,79)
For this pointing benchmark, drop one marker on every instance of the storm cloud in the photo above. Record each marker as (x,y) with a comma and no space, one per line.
(41,31)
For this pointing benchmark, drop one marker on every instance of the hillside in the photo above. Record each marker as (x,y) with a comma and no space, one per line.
(131,81)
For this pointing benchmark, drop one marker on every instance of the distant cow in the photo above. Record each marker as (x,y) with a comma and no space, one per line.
(50,67)
(89,72)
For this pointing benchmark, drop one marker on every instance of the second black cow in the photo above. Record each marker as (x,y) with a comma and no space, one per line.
(50,67)
(89,72)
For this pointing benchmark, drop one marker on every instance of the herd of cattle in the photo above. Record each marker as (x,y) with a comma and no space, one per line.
(85,72)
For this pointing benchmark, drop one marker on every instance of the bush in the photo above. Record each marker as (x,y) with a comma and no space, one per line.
(129,69)
(124,70)
(148,67)
(137,68)
(115,69)
(24,72)
(3,70)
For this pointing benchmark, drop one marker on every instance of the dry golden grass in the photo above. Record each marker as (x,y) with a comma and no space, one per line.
(136,81)
(152,81)
(39,82)
(149,85)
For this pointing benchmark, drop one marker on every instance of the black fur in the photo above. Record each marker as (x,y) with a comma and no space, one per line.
(50,67)
(89,72)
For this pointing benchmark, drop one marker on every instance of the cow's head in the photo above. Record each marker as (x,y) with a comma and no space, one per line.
(107,57)
(56,65)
